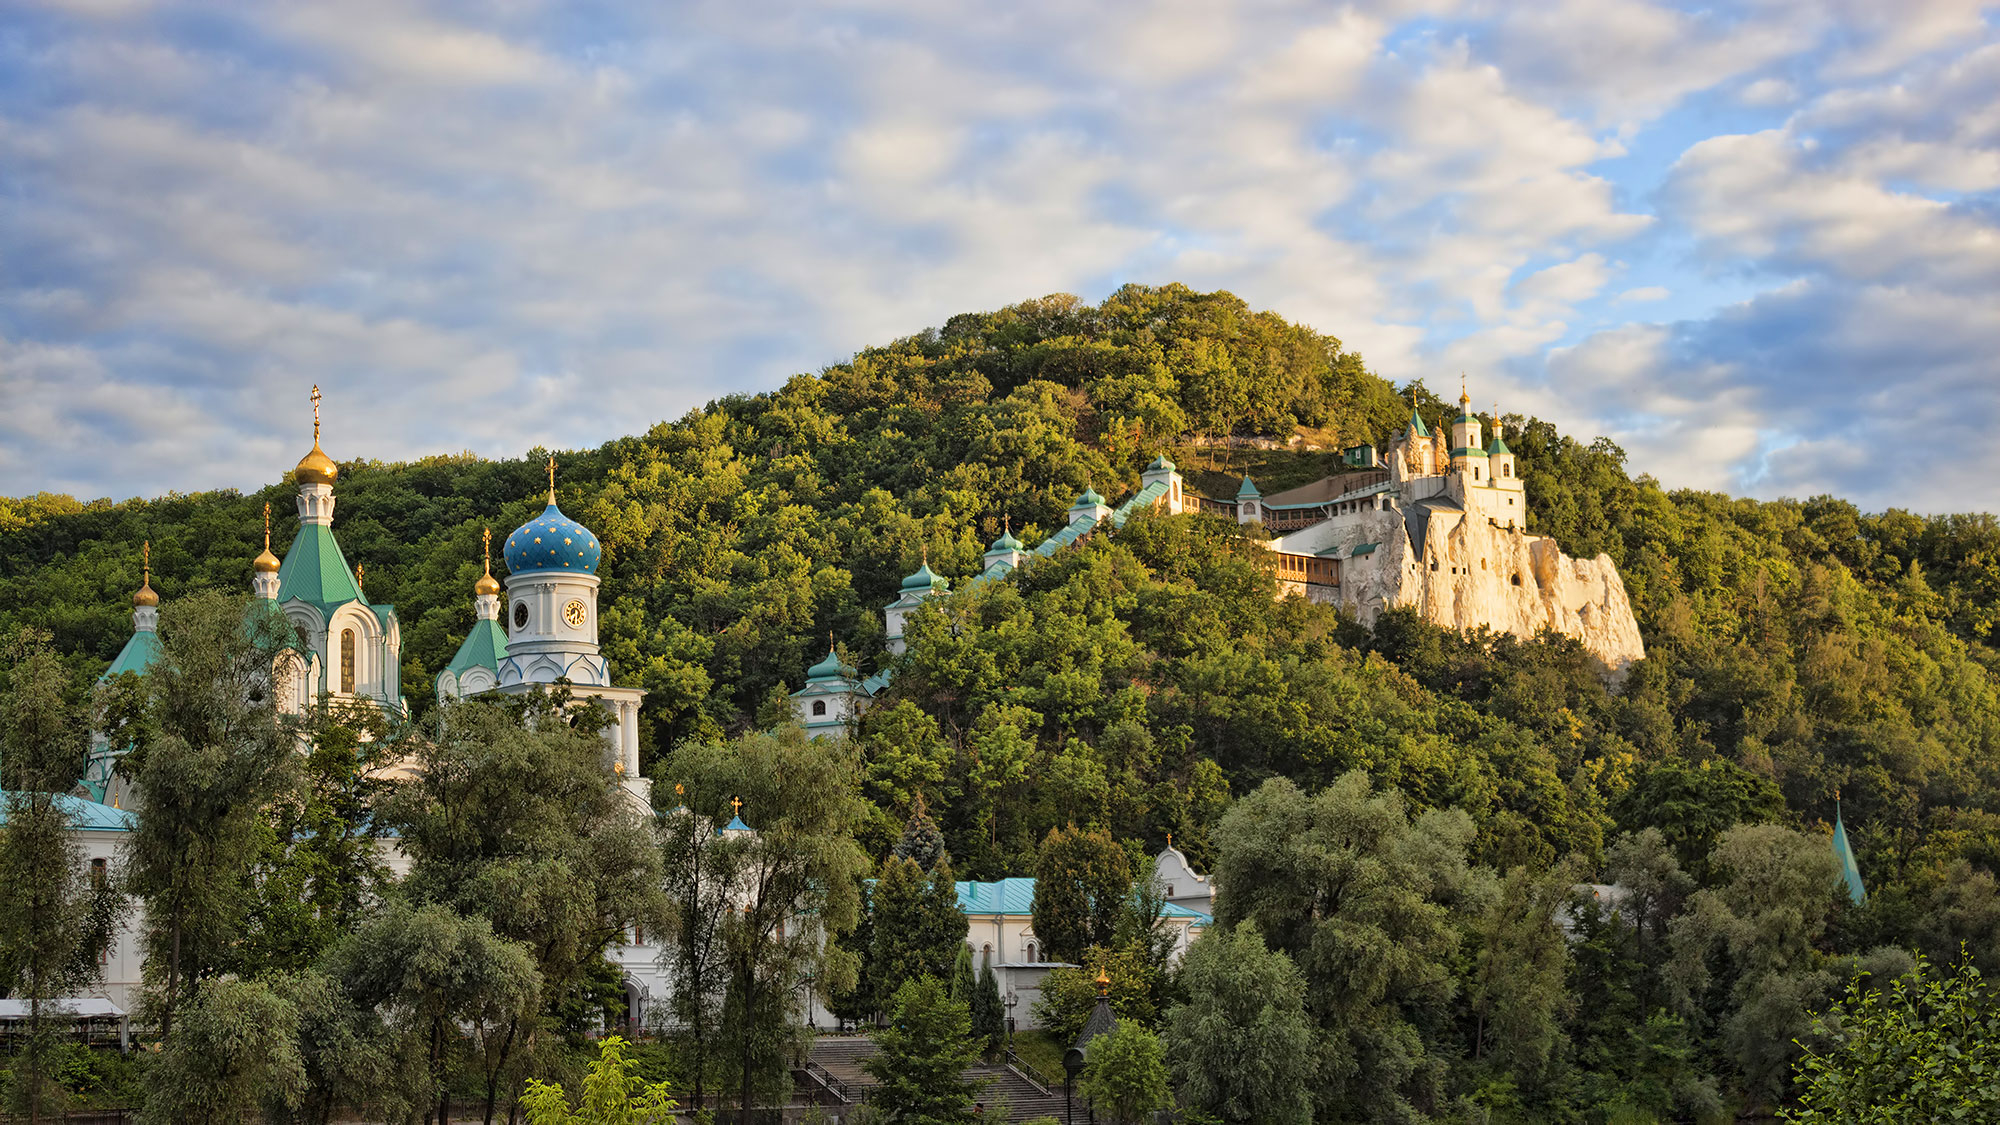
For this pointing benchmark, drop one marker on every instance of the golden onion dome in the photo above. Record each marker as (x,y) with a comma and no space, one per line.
(265,562)
(487,584)
(145,596)
(316,467)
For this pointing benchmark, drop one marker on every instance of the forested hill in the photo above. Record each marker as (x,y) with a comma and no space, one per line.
(1144,679)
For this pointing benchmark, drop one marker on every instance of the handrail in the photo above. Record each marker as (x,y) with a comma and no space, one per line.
(833,1085)
(1027,1070)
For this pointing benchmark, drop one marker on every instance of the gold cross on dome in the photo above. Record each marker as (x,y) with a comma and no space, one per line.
(315,402)
(360,572)
(146,563)
(1170,839)
(736,805)
(486,548)
(267,525)
(552,478)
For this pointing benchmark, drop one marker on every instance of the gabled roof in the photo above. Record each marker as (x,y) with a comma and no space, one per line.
(1017,896)
(1066,536)
(1140,501)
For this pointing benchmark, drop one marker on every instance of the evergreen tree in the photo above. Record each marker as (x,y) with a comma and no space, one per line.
(922,1056)
(964,985)
(55,922)
(1082,882)
(989,1011)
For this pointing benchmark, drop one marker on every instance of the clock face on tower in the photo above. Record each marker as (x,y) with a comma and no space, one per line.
(574,614)
(520,615)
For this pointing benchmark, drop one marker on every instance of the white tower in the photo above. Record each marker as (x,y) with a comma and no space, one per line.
(552,625)
(924,583)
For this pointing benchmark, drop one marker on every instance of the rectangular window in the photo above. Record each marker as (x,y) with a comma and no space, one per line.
(100,873)
(347,661)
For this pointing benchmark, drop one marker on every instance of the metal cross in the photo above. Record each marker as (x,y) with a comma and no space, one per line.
(315,401)
(736,805)
(486,548)
(552,478)
(267,525)
(146,563)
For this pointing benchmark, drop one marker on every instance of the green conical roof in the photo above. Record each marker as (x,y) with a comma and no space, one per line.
(1417,424)
(1247,489)
(1843,854)
(484,647)
(315,571)
(137,655)
(1496,447)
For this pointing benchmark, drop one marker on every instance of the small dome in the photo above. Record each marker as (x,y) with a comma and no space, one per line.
(924,578)
(145,596)
(552,541)
(829,668)
(1006,542)
(487,584)
(1089,497)
(265,562)
(1162,465)
(316,467)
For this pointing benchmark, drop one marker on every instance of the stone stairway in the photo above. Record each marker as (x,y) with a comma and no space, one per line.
(1008,1094)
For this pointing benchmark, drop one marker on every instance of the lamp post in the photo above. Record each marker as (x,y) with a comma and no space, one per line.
(1013,998)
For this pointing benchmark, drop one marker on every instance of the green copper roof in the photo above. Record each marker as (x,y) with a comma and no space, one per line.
(829,669)
(1470,451)
(1089,496)
(1140,501)
(1006,542)
(137,655)
(315,571)
(87,816)
(1496,447)
(1161,465)
(1247,489)
(1843,854)
(924,578)
(1417,424)
(484,647)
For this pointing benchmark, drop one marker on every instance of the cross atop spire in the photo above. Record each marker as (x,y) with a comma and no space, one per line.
(360,572)
(146,578)
(315,402)
(552,478)
(736,805)
(485,549)
(267,525)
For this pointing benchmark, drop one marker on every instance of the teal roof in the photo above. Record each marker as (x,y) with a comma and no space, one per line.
(1247,489)
(1140,501)
(924,579)
(1066,536)
(315,571)
(1161,464)
(138,654)
(829,669)
(484,647)
(736,825)
(1089,496)
(1017,896)
(879,682)
(1850,872)
(1365,549)
(88,816)
(1472,451)
(1006,542)
(1417,423)
(1496,447)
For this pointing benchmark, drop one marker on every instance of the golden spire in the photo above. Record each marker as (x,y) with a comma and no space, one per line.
(266,562)
(487,584)
(145,595)
(552,478)
(316,467)
(1464,399)
(1103,983)
(360,572)
(736,806)
(1170,839)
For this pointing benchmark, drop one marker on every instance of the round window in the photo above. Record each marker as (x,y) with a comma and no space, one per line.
(520,615)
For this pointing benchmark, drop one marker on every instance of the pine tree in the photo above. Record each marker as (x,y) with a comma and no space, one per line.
(963,983)
(989,1014)
(922,1058)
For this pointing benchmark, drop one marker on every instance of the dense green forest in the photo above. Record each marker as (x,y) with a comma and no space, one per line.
(1149,682)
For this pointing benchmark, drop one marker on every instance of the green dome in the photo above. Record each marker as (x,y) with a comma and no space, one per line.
(1089,497)
(1161,464)
(1006,542)
(924,578)
(829,668)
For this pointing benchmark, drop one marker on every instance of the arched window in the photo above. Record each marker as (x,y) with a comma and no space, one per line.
(1517,580)
(1506,470)
(1031,953)
(819,706)
(347,661)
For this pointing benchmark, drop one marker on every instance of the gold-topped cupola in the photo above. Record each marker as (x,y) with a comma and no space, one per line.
(316,467)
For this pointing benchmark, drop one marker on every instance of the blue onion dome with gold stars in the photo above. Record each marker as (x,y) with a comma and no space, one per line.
(552,541)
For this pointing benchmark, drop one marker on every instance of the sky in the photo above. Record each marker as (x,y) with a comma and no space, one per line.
(1755,244)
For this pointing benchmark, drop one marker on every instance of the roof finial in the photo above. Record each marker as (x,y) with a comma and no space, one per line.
(1007,522)
(315,402)
(486,550)
(1103,983)
(1463,396)
(552,478)
(1170,839)
(924,551)
(267,525)
(736,805)
(360,572)
(146,569)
